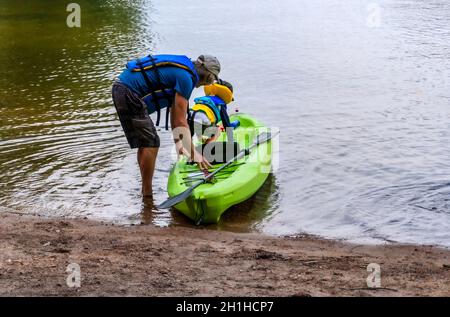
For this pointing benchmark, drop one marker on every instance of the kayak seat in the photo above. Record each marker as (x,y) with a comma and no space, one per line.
(219,152)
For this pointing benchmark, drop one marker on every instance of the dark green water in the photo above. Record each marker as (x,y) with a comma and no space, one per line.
(60,140)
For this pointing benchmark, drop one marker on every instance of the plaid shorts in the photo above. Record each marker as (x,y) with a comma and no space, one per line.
(133,114)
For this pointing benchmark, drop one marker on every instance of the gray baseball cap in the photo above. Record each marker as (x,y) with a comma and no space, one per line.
(211,63)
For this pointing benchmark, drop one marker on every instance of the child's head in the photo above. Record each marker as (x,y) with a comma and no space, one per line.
(226,84)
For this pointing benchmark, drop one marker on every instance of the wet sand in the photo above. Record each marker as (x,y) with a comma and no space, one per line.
(149,261)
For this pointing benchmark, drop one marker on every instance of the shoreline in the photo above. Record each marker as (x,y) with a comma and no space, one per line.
(143,260)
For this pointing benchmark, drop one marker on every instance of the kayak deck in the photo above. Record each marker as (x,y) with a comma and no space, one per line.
(232,185)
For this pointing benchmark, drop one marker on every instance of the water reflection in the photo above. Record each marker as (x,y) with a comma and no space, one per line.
(62,149)
(240,218)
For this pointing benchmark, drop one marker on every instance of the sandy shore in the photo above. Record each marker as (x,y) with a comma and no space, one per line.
(144,260)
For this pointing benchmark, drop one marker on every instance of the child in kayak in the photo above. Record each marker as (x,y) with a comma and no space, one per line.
(209,117)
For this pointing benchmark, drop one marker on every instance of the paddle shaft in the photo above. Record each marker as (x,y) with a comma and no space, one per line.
(237,157)
(210,175)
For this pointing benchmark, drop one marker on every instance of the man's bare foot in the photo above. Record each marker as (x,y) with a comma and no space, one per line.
(148,208)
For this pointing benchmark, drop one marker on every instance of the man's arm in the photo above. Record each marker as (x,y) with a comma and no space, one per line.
(181,132)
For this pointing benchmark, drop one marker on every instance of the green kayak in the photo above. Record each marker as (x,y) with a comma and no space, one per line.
(232,185)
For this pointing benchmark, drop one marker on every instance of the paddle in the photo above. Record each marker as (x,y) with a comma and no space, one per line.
(261,138)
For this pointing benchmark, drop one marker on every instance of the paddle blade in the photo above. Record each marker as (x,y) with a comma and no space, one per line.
(172,201)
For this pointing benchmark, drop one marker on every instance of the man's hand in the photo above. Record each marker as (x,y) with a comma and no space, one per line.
(201,161)
(181,133)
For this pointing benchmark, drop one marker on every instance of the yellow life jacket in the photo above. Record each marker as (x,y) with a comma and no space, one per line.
(221,91)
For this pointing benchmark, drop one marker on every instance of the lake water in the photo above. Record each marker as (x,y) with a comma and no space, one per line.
(359,90)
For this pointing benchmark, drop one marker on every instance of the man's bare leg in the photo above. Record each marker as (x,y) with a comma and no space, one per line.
(146,157)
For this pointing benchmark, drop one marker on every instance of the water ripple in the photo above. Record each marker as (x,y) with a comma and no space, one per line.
(363,112)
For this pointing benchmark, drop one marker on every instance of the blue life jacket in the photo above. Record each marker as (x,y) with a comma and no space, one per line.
(157,90)
(214,108)
(213,103)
